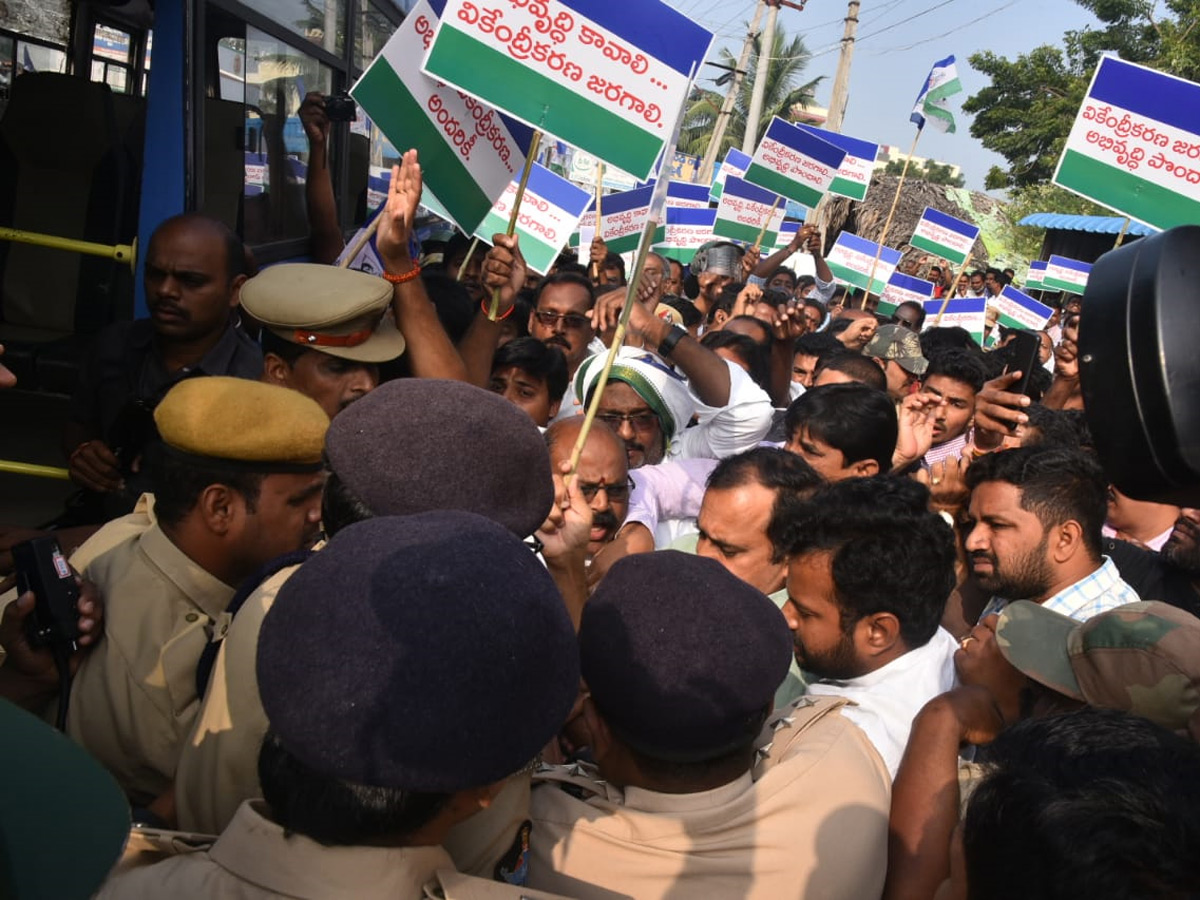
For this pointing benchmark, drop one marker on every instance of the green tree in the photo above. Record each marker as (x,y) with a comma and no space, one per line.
(789,58)
(1025,114)
(933,172)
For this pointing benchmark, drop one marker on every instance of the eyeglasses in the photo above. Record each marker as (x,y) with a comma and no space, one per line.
(571,321)
(642,421)
(618,493)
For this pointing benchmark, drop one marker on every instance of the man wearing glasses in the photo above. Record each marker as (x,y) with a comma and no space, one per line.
(559,318)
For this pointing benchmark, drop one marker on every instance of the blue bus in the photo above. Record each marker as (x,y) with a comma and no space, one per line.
(114,116)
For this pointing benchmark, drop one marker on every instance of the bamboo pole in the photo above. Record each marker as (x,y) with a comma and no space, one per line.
(891,213)
(950,293)
(494,306)
(1121,236)
(762,233)
(462,267)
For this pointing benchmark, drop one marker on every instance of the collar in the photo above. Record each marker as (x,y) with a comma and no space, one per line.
(933,653)
(1086,590)
(655,802)
(256,850)
(207,592)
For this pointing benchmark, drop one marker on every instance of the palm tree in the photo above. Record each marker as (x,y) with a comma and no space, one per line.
(789,58)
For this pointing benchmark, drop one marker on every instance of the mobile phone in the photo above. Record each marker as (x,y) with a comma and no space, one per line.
(43,569)
(1024,355)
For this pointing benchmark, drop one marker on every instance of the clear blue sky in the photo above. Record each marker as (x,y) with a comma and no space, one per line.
(898,41)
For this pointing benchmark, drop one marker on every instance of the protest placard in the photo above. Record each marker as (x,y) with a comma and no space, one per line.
(1135,145)
(1035,280)
(1016,309)
(787,231)
(622,217)
(550,210)
(682,195)
(469,152)
(969,313)
(586,71)
(794,163)
(854,174)
(685,231)
(944,236)
(852,258)
(903,288)
(1064,274)
(744,209)
(736,163)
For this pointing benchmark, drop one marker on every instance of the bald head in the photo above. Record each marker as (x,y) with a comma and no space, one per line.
(603,474)
(199,226)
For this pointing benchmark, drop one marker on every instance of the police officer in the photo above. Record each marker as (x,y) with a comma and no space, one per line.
(411,446)
(699,790)
(406,670)
(238,481)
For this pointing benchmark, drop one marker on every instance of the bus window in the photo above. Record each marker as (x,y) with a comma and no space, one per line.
(319,21)
(112,58)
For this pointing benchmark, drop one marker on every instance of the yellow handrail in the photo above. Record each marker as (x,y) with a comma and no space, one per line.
(119,252)
(20,468)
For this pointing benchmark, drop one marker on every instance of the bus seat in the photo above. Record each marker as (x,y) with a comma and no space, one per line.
(65,175)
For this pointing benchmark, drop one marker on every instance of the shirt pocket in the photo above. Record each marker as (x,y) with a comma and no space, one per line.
(179,657)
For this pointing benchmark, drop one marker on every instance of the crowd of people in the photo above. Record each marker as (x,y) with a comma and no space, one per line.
(817,606)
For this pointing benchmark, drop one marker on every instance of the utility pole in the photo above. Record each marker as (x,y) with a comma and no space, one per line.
(722,123)
(766,46)
(841,81)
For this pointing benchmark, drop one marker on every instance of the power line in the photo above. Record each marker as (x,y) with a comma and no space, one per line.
(936,37)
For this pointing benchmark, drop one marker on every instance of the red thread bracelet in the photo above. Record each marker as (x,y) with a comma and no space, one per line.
(412,273)
(483,305)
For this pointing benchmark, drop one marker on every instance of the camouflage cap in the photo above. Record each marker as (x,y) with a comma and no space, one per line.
(898,343)
(1142,658)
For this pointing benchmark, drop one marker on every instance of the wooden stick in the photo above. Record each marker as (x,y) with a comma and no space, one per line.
(1121,236)
(494,306)
(467,259)
(361,241)
(888,222)
(618,339)
(762,233)
(950,294)
(599,215)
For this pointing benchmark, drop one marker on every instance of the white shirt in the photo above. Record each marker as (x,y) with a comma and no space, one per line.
(570,407)
(1089,596)
(889,698)
(725,431)
(666,498)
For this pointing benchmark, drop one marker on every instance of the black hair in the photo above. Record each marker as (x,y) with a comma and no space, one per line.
(1055,428)
(861,368)
(761,324)
(537,360)
(959,365)
(452,302)
(890,554)
(1056,485)
(520,314)
(817,343)
(1096,803)
(285,350)
(340,507)
(858,420)
(749,351)
(178,483)
(784,270)
(805,281)
(940,339)
(571,268)
(1005,358)
(787,474)
(838,325)
(565,278)
(996,274)
(725,300)
(614,261)
(913,304)
(336,812)
(686,309)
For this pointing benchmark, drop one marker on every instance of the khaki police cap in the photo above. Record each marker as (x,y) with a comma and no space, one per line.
(243,424)
(337,311)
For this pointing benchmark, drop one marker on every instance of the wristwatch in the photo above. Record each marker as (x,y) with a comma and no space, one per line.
(667,345)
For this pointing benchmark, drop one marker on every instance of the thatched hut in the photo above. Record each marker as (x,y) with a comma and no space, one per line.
(866,218)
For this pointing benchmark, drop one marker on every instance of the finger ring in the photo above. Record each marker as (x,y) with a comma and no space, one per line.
(963,643)
(935,481)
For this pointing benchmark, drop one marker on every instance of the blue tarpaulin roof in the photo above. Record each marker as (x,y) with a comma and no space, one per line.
(1094,224)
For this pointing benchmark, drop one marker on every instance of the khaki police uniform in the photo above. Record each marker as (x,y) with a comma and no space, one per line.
(218,763)
(254,859)
(810,820)
(133,699)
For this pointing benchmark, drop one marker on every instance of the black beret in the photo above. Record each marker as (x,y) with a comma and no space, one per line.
(418,444)
(682,658)
(429,653)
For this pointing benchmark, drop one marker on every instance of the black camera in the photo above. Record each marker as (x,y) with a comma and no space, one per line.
(340,107)
(42,568)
